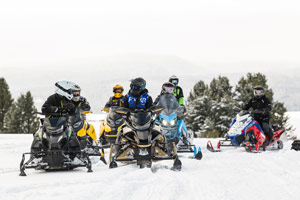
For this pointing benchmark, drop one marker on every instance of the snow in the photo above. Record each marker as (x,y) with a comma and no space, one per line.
(230,175)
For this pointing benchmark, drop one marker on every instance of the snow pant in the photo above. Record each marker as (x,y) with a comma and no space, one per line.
(265,125)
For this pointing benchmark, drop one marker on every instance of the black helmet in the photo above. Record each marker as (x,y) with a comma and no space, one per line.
(174,79)
(258,91)
(137,85)
(167,88)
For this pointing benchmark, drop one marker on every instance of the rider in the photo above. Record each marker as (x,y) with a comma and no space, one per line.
(67,94)
(167,88)
(262,107)
(117,99)
(138,97)
(178,92)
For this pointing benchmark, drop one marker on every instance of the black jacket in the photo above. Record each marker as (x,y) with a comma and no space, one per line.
(57,104)
(113,101)
(263,104)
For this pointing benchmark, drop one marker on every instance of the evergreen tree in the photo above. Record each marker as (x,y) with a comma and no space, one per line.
(5,102)
(210,108)
(22,117)
(221,108)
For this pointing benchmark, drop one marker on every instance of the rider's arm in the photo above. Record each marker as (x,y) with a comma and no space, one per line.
(50,105)
(248,105)
(85,106)
(180,96)
(149,102)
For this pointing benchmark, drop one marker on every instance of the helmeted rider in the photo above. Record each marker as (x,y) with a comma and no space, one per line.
(166,88)
(66,99)
(262,107)
(117,99)
(138,97)
(178,92)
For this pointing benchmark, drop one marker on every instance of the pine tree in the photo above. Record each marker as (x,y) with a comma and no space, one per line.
(22,117)
(210,108)
(221,108)
(197,107)
(5,102)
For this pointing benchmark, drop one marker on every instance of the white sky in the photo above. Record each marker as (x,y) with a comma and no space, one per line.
(37,32)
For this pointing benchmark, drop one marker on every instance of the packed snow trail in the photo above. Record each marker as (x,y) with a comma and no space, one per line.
(231,174)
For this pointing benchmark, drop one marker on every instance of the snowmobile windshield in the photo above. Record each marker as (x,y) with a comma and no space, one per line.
(114,119)
(140,120)
(169,102)
(54,125)
(75,118)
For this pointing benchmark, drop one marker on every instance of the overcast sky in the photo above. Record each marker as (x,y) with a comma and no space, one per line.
(33,33)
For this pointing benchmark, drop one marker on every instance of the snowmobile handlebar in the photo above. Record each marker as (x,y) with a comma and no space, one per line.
(54,114)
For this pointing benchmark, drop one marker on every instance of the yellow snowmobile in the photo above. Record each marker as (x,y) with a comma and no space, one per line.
(86,133)
(110,127)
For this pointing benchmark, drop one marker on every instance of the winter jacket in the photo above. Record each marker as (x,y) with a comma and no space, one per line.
(263,104)
(82,104)
(113,101)
(178,93)
(57,104)
(142,101)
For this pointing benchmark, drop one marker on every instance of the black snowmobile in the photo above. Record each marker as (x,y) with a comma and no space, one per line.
(110,127)
(56,146)
(141,140)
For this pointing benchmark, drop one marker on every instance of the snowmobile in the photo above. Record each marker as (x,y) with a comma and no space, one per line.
(140,140)
(296,145)
(173,127)
(110,127)
(245,132)
(86,134)
(56,146)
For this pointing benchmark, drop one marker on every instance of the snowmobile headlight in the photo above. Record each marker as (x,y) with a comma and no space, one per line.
(164,122)
(173,122)
(77,124)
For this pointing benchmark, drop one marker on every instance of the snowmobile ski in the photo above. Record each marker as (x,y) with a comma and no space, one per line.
(210,147)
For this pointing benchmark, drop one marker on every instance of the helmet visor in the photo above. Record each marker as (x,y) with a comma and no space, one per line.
(137,88)
(118,90)
(168,89)
(258,92)
(174,81)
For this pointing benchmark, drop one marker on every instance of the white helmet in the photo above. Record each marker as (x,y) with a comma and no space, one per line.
(67,89)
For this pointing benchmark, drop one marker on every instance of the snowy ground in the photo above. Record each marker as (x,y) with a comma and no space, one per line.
(230,175)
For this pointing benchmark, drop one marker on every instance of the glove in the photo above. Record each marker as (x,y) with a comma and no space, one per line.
(70,107)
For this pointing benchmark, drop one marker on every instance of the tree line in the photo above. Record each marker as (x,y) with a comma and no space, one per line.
(211,107)
(17,116)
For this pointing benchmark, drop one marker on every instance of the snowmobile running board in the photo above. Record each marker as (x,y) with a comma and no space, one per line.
(67,166)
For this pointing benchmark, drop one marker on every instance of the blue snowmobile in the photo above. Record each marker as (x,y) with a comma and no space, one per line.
(173,126)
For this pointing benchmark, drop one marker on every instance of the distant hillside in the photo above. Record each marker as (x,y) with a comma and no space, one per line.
(97,77)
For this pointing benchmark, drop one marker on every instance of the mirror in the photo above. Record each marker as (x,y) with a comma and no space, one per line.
(122,110)
(156,109)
